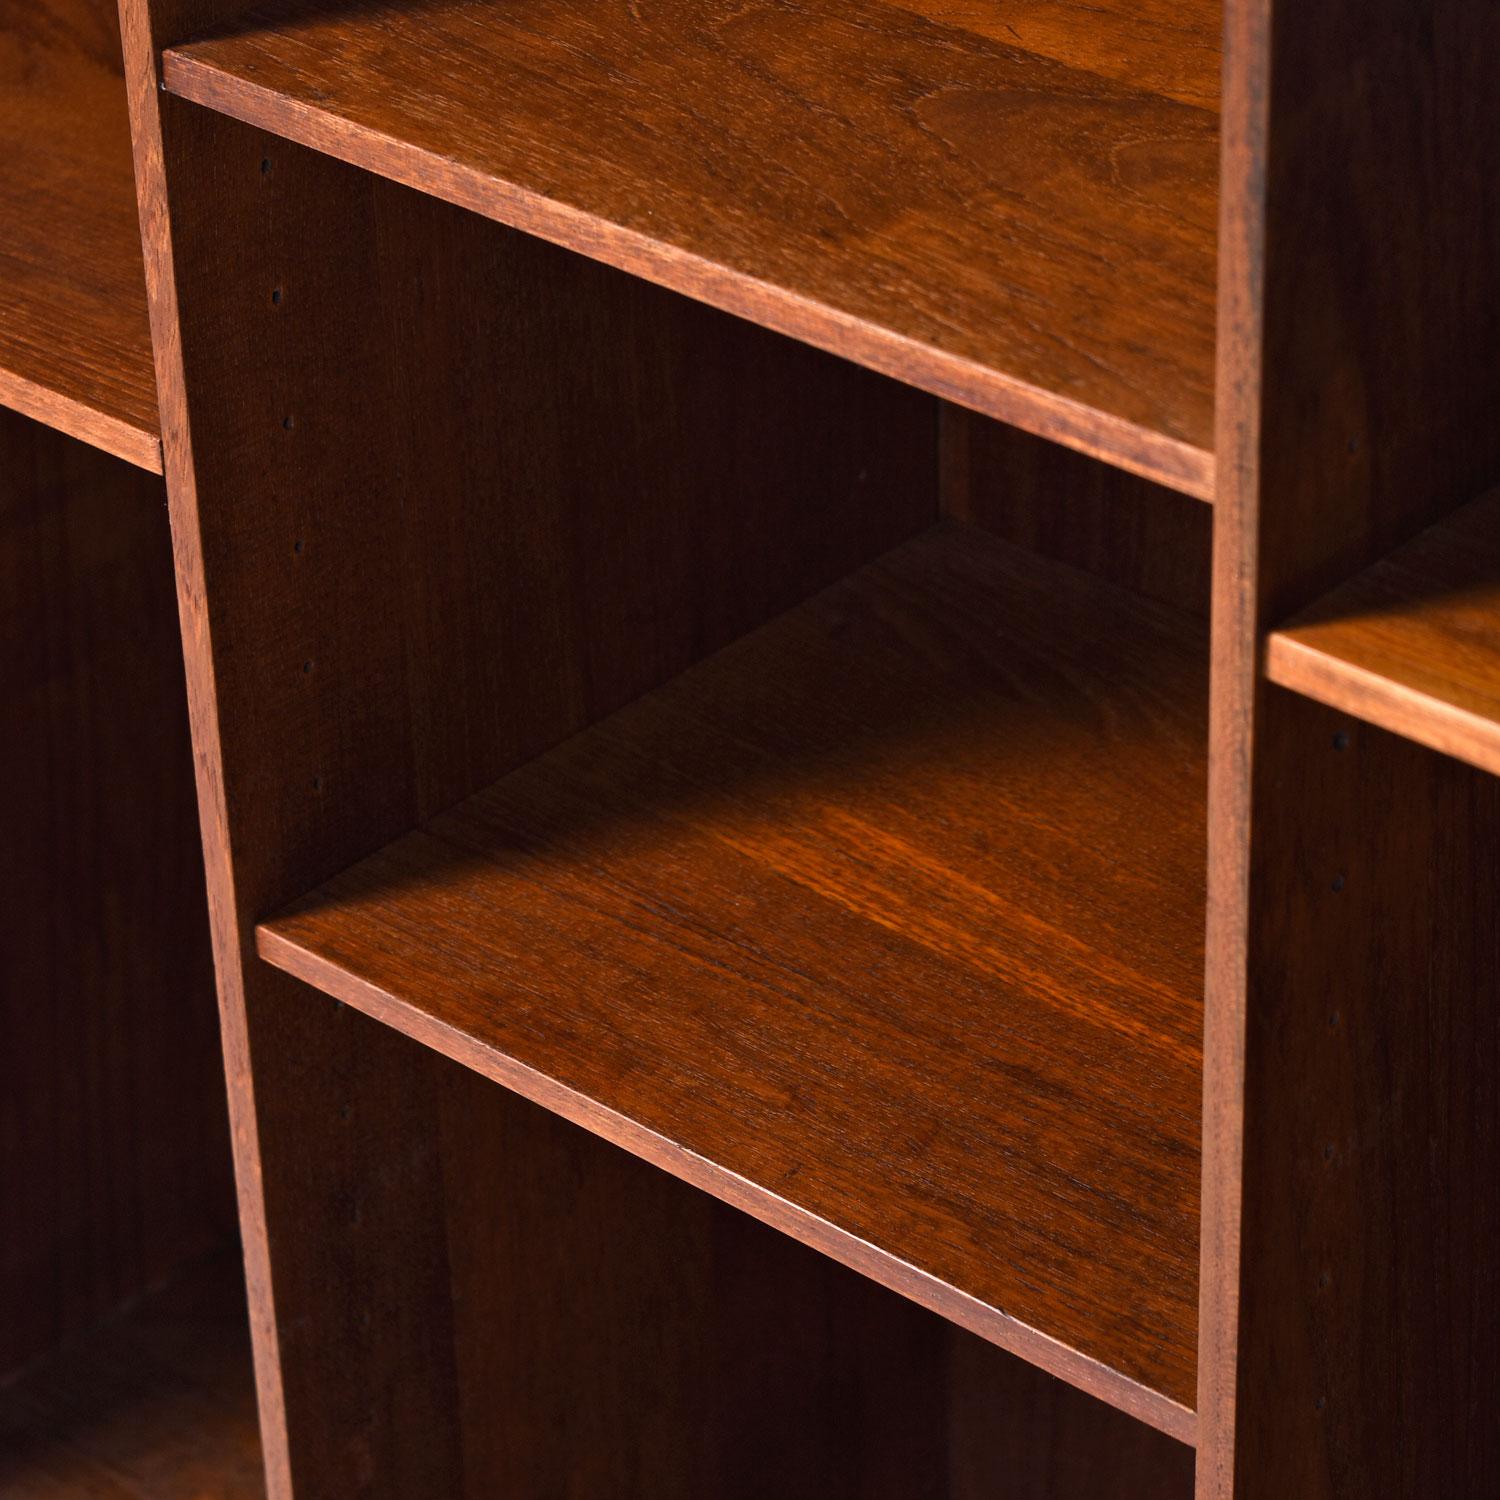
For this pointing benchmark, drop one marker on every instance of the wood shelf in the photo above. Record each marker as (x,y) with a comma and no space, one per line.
(885,923)
(1016,211)
(1412,644)
(75,343)
(158,1404)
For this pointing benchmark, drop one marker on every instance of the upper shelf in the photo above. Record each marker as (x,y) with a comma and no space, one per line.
(1012,206)
(884,923)
(1412,644)
(75,342)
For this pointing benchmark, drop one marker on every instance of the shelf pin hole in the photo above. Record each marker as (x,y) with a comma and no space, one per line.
(1341,740)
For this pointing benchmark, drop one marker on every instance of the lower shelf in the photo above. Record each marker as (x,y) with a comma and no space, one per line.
(1412,644)
(157,1405)
(884,924)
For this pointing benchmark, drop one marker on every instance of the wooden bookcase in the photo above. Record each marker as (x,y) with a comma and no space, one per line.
(116,1200)
(839,596)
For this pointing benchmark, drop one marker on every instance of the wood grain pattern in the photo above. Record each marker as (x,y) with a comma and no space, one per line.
(1076,510)
(114,1157)
(739,926)
(157,1404)
(1412,643)
(388,497)
(1017,232)
(1359,351)
(632,1336)
(75,347)
(1370,1208)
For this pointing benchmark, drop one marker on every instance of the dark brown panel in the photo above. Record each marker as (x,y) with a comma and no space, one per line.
(1373,1081)
(1359,354)
(926,850)
(156,1405)
(901,183)
(75,350)
(113,1150)
(1078,510)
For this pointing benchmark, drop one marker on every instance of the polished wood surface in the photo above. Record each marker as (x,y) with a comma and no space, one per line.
(621,481)
(1412,643)
(742,926)
(156,1404)
(1359,353)
(114,1156)
(667,1346)
(1028,232)
(75,348)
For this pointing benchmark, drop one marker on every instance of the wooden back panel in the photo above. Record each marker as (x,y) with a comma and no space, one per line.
(1359,355)
(114,1155)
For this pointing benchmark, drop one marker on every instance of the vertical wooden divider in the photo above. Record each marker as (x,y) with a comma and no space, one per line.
(441,495)
(1349,1118)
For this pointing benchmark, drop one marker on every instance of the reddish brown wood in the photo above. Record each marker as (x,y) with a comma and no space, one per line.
(1412,643)
(1082,512)
(1359,349)
(1024,232)
(393,654)
(157,1404)
(926,851)
(75,350)
(113,1151)
(668,1345)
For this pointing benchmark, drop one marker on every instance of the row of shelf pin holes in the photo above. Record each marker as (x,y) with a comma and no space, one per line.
(289,423)
(299,548)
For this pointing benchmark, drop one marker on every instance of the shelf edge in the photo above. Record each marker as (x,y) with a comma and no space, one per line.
(1018,1338)
(77,419)
(1387,704)
(1168,461)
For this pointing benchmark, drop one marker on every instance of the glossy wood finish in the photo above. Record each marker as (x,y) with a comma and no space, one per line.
(1359,351)
(157,1404)
(1026,232)
(75,349)
(400,654)
(739,926)
(398,438)
(113,1147)
(1412,643)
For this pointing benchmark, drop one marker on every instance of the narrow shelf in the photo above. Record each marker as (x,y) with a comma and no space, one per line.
(75,343)
(884,924)
(1412,644)
(159,1404)
(1016,211)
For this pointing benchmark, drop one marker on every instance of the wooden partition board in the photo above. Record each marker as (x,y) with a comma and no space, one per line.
(388,496)
(1349,1185)
(75,347)
(1015,210)
(114,1157)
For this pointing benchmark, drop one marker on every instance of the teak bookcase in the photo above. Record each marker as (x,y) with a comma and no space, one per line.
(117,1223)
(755,578)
